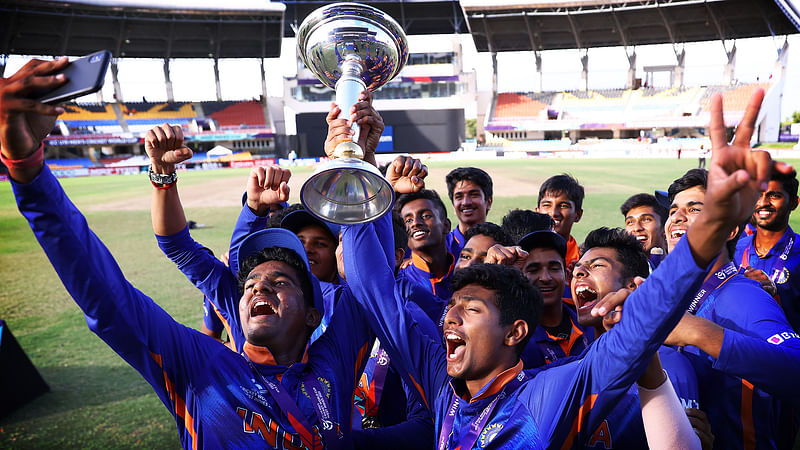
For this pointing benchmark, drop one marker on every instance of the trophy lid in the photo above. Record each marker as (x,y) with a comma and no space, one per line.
(334,32)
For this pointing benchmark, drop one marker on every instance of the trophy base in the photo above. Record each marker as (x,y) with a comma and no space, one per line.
(347,191)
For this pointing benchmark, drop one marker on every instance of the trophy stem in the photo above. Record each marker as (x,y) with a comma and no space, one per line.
(348,88)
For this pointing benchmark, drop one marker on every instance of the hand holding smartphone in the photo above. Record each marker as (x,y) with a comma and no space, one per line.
(84,76)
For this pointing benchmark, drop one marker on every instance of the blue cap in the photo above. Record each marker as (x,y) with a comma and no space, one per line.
(300,218)
(544,238)
(279,237)
(662,197)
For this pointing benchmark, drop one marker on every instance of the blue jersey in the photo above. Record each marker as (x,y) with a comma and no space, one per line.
(553,348)
(211,318)
(455,241)
(217,397)
(623,428)
(556,406)
(784,272)
(419,273)
(759,363)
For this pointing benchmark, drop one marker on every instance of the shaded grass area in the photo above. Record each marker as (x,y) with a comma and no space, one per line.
(96,399)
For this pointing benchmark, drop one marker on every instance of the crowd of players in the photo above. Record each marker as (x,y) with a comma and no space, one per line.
(676,331)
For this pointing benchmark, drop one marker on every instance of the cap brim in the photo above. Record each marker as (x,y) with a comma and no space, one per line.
(662,197)
(298,219)
(271,237)
(544,239)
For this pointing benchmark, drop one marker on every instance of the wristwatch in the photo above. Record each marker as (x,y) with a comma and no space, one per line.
(163,179)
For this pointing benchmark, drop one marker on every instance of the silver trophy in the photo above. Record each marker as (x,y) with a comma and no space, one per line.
(351,48)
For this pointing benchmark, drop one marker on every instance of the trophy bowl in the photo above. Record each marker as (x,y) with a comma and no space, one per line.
(351,48)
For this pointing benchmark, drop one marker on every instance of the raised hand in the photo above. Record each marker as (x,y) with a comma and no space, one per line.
(267,186)
(164,146)
(24,123)
(508,256)
(406,174)
(365,116)
(610,306)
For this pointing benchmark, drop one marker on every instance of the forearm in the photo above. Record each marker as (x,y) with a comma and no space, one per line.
(706,238)
(166,211)
(247,222)
(665,423)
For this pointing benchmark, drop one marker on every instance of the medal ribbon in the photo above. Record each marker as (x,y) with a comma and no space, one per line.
(783,258)
(468,440)
(713,282)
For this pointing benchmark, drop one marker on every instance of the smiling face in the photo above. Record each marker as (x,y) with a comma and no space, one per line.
(474,336)
(544,268)
(474,251)
(597,273)
(272,308)
(645,224)
(426,230)
(558,206)
(773,208)
(321,251)
(470,204)
(684,210)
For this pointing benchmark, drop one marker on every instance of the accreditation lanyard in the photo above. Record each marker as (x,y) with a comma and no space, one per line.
(379,365)
(297,419)
(469,438)
(782,259)
(713,282)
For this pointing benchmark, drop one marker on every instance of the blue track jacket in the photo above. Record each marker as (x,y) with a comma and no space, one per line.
(558,407)
(216,395)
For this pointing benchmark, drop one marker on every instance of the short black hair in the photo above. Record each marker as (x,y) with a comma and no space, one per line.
(275,218)
(515,296)
(643,199)
(629,250)
(424,194)
(520,222)
(399,231)
(283,255)
(473,174)
(692,178)
(564,183)
(491,230)
(788,182)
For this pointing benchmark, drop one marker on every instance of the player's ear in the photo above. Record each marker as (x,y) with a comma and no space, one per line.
(515,333)
(579,214)
(313,318)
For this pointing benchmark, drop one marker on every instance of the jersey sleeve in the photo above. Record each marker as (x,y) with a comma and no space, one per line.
(418,358)
(246,223)
(210,276)
(134,326)
(580,395)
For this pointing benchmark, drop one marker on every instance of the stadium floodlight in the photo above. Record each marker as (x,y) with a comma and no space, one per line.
(350,48)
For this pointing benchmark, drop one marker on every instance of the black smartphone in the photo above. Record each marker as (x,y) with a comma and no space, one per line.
(84,76)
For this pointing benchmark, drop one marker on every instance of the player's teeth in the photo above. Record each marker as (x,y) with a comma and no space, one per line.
(641,238)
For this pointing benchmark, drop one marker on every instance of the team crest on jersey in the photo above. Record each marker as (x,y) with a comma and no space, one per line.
(783,277)
(324,384)
(489,433)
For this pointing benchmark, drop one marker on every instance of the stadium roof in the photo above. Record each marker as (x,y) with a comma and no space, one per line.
(143,28)
(415,16)
(499,25)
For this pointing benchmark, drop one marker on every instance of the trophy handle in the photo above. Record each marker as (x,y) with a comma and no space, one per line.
(348,88)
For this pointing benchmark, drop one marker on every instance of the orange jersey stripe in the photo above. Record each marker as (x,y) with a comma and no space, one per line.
(748,429)
(178,404)
(577,425)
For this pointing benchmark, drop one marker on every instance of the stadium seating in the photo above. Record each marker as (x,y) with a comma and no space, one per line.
(734,97)
(236,114)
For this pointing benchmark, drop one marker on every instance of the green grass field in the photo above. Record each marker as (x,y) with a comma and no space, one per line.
(96,399)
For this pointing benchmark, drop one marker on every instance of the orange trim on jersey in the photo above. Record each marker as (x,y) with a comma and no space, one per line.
(421,391)
(261,355)
(421,264)
(573,252)
(748,428)
(178,404)
(577,424)
(362,353)
(224,324)
(499,381)
(566,344)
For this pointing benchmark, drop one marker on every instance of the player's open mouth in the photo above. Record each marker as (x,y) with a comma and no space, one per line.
(585,296)
(467,211)
(676,234)
(419,234)
(262,308)
(765,213)
(455,346)
(546,288)
(641,237)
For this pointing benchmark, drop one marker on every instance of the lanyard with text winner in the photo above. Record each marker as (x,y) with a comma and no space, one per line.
(468,440)
(296,418)
(713,282)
